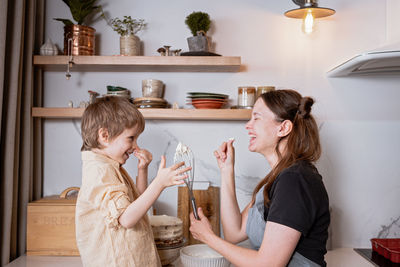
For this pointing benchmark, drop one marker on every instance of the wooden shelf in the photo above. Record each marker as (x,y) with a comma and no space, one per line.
(140,63)
(153,113)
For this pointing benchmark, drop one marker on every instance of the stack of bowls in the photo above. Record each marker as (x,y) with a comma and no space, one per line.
(205,100)
(168,254)
(150,102)
(118,91)
(202,255)
(152,92)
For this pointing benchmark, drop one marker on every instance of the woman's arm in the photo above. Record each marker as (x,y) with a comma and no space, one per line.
(276,249)
(233,221)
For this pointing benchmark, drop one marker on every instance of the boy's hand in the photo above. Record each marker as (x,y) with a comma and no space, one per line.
(172,175)
(144,157)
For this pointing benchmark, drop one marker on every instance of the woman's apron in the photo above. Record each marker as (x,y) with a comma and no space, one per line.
(255,229)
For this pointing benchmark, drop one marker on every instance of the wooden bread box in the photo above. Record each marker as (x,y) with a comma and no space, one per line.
(51,225)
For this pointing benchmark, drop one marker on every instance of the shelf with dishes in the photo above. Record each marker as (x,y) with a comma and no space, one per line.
(153,113)
(119,63)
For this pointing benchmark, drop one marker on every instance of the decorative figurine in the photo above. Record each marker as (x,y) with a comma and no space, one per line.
(161,50)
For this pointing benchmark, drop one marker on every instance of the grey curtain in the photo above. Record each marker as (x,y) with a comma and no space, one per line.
(21,32)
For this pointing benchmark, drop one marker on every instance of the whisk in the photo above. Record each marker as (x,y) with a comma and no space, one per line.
(184,154)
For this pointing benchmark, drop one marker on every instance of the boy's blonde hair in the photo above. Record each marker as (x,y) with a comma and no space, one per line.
(112,113)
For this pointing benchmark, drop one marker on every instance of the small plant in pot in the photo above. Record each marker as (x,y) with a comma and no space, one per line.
(127,29)
(81,37)
(198,23)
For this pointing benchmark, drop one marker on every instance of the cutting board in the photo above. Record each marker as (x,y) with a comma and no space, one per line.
(208,200)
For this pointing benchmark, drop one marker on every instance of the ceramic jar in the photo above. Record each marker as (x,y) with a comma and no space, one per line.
(129,45)
(152,88)
(246,96)
(263,89)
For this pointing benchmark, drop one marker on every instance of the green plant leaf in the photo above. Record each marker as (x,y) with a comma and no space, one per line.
(80,9)
(198,21)
(65,21)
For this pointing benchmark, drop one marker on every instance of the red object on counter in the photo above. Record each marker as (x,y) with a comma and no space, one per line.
(387,247)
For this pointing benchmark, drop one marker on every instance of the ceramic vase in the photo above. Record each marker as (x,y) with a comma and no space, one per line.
(48,48)
(129,45)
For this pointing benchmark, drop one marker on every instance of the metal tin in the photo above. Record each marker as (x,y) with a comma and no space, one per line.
(83,40)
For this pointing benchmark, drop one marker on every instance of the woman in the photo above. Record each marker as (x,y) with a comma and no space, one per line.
(288,217)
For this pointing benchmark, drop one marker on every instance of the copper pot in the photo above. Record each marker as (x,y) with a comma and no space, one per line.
(82,40)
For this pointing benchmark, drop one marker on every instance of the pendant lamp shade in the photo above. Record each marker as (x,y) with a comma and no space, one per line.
(300,13)
(308,12)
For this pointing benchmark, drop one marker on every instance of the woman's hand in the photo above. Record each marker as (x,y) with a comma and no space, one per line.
(144,158)
(173,175)
(201,229)
(225,155)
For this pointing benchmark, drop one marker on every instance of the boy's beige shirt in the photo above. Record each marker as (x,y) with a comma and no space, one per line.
(106,191)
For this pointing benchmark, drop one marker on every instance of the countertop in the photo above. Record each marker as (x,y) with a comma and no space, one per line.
(336,258)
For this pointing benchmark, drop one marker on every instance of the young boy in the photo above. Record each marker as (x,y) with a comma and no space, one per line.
(112,228)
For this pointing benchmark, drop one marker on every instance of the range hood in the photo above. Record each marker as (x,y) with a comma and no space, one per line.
(383,60)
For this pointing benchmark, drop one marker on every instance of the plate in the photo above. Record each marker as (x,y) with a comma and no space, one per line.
(206,97)
(150,106)
(206,93)
(199,53)
(207,100)
(211,105)
(149,99)
(118,95)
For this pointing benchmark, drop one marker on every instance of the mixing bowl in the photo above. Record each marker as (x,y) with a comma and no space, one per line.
(202,255)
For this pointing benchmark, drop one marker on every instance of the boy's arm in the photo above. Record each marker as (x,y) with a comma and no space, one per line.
(165,177)
(144,159)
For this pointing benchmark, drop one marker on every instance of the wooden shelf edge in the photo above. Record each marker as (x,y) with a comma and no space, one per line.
(153,114)
(140,63)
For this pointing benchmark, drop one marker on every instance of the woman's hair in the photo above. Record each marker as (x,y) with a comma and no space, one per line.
(303,140)
(112,113)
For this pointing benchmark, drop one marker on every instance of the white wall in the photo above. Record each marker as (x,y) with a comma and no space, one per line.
(359,116)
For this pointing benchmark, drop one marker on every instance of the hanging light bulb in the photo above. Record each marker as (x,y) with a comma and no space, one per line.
(308,25)
(308,12)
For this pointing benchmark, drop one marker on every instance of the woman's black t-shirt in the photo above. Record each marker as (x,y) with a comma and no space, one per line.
(299,200)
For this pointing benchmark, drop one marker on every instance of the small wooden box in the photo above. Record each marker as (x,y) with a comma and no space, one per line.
(51,225)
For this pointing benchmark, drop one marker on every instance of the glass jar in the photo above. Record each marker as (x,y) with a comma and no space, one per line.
(246,96)
(263,89)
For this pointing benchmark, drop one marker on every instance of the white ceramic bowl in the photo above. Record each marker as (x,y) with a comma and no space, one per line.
(202,255)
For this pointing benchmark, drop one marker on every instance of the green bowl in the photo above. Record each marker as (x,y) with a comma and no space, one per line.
(112,88)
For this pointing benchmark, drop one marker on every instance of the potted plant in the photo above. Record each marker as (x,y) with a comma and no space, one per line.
(198,23)
(81,36)
(127,29)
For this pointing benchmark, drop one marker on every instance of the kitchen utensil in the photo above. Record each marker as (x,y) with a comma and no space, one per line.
(184,154)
